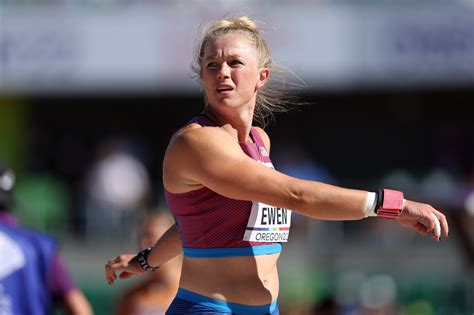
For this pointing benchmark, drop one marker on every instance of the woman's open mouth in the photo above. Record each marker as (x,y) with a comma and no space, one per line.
(224,89)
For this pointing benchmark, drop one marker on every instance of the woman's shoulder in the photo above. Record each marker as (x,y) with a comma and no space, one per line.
(192,150)
(194,137)
(195,131)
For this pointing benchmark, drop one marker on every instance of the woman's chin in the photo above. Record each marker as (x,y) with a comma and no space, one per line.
(226,102)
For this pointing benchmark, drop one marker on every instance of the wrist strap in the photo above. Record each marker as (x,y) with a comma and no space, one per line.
(370,204)
(142,260)
(389,203)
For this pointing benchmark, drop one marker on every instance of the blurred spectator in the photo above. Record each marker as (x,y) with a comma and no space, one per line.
(32,276)
(116,187)
(154,294)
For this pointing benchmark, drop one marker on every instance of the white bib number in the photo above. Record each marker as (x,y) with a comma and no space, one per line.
(268,224)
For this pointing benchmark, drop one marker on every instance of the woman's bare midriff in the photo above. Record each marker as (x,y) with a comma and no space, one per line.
(249,280)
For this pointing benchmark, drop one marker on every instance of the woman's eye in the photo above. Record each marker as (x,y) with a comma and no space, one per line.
(212,65)
(235,63)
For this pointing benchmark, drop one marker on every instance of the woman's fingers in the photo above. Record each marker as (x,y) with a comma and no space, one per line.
(420,228)
(431,222)
(118,263)
(125,275)
(437,228)
(110,275)
(424,219)
(443,223)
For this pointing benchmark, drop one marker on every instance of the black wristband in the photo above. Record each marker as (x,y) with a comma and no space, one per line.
(142,260)
(379,200)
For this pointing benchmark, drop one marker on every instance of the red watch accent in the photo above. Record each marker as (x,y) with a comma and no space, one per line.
(392,204)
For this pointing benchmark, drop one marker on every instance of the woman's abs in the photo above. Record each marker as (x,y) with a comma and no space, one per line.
(250,280)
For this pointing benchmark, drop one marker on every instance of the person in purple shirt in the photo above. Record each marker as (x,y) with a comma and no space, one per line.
(33,278)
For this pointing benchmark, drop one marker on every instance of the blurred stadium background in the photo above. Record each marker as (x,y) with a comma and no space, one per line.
(91,90)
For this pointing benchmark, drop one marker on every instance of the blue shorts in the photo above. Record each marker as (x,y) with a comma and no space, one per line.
(187,302)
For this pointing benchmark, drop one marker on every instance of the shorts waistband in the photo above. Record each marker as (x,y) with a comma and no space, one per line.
(226,307)
(231,252)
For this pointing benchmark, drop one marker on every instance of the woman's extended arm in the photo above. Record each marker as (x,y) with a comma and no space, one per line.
(211,157)
(167,247)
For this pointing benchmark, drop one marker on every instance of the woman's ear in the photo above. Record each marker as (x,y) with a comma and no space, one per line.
(262,78)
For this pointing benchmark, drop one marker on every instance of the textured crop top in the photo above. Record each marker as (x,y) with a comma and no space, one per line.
(211,225)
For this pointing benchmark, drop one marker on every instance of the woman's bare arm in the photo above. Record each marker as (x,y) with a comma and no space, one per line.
(211,157)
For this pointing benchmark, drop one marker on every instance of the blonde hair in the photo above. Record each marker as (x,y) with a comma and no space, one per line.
(274,96)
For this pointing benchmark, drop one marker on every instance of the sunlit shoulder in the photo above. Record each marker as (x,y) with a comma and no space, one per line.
(194,150)
(195,134)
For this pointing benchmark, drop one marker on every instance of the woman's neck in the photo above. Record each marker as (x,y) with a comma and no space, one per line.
(241,121)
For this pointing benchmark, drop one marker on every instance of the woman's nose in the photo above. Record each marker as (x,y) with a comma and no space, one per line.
(224,71)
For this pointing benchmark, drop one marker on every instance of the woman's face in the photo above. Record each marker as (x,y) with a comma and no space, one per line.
(230,72)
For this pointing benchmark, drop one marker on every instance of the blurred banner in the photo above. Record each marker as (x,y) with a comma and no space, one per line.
(149,48)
